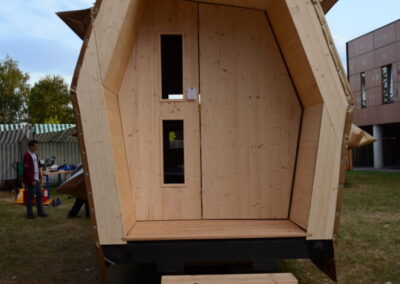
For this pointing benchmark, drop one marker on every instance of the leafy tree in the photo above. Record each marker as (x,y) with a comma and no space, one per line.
(49,102)
(14,90)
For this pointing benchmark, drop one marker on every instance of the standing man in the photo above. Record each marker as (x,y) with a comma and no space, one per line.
(31,179)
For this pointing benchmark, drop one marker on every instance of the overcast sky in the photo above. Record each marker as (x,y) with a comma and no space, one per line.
(32,34)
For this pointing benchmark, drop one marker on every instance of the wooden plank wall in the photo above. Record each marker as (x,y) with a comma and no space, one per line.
(120,164)
(115,29)
(305,32)
(101,123)
(94,119)
(305,169)
(107,54)
(250,117)
(143,111)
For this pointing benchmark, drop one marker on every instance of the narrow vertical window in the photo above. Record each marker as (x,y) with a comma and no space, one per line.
(387,84)
(363,91)
(171,67)
(173,152)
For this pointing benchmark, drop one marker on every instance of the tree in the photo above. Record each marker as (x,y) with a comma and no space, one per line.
(49,102)
(14,90)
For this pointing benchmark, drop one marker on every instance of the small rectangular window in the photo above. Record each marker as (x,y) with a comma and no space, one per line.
(363,91)
(173,152)
(171,67)
(387,84)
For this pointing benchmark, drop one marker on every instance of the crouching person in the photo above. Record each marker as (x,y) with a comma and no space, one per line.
(31,179)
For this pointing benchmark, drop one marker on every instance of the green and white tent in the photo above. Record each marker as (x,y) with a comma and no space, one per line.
(55,140)
(14,133)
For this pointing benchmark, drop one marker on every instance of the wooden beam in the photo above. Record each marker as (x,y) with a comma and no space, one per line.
(325,187)
(305,165)
(120,163)
(90,96)
(252,4)
(276,278)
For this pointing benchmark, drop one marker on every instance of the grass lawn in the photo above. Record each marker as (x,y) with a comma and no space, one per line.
(368,248)
(61,250)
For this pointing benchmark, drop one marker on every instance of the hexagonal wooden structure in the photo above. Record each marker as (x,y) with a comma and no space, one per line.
(263,148)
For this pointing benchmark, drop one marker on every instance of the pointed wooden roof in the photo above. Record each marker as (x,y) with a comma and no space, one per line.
(78,20)
(328,4)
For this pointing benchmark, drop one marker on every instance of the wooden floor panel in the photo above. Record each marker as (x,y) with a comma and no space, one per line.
(213,229)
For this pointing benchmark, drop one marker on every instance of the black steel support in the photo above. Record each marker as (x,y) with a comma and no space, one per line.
(172,256)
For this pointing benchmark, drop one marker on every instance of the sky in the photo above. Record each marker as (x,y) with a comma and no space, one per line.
(349,19)
(32,34)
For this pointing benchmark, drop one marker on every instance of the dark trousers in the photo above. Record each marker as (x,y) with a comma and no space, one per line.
(31,191)
(77,206)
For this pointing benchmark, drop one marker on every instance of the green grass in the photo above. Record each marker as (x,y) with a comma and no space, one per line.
(45,250)
(368,248)
(61,250)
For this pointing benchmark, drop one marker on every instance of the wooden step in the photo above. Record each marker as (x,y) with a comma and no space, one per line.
(213,229)
(278,278)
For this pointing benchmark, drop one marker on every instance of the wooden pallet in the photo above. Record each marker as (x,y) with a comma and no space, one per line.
(280,278)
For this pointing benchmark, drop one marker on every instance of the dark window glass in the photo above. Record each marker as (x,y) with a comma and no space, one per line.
(171,67)
(363,91)
(173,151)
(387,84)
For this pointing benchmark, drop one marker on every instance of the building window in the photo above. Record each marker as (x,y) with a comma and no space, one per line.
(387,84)
(363,91)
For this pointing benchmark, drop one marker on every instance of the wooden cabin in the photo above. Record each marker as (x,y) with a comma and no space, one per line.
(216,121)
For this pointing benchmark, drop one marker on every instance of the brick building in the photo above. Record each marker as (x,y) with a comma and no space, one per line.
(374,73)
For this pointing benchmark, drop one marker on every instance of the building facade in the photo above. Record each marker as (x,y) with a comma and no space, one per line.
(374,74)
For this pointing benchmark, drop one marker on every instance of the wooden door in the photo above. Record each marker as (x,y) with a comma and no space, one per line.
(250,117)
(164,161)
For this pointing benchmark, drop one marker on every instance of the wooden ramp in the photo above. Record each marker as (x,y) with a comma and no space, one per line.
(281,278)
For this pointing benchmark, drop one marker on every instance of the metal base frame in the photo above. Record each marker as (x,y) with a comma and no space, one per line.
(173,257)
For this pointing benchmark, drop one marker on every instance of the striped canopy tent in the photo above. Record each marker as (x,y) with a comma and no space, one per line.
(14,133)
(56,133)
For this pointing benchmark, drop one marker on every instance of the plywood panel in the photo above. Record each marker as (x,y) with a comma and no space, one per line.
(308,31)
(213,229)
(99,149)
(250,117)
(279,278)
(115,30)
(305,165)
(126,194)
(317,50)
(326,180)
(143,111)
(294,53)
